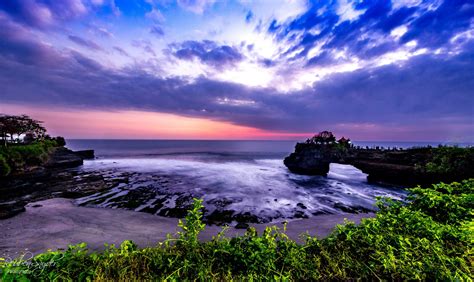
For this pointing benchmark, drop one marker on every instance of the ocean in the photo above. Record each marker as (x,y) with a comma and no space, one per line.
(241,178)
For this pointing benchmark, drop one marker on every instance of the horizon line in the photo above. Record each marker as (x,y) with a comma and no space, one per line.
(286,140)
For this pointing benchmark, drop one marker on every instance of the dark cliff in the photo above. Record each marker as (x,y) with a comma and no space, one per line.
(402,167)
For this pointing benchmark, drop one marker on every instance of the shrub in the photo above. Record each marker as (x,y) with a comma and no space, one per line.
(16,157)
(446,203)
(5,168)
(60,141)
(453,161)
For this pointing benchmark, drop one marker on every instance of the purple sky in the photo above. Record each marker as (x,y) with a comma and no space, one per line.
(282,69)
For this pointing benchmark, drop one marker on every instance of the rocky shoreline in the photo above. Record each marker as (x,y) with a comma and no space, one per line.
(55,178)
(154,193)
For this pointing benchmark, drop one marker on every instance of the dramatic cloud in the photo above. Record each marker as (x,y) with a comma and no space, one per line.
(121,51)
(85,42)
(208,52)
(145,45)
(434,28)
(99,30)
(20,45)
(155,15)
(196,6)
(249,17)
(368,35)
(157,30)
(43,13)
(425,89)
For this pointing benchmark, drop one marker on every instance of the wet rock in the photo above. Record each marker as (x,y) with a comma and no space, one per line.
(47,184)
(300,205)
(174,212)
(351,209)
(153,208)
(184,201)
(10,209)
(85,154)
(220,217)
(241,225)
(71,194)
(220,203)
(63,158)
(316,213)
(309,160)
(130,200)
(343,207)
(300,214)
(247,217)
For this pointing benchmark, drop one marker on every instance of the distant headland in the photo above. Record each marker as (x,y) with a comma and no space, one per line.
(412,166)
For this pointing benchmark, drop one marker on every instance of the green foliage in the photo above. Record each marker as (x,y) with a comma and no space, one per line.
(192,226)
(5,168)
(446,203)
(451,161)
(430,237)
(16,157)
(59,141)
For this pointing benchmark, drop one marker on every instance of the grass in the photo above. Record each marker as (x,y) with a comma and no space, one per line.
(429,237)
(16,157)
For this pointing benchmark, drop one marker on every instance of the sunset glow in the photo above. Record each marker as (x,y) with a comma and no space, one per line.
(143,125)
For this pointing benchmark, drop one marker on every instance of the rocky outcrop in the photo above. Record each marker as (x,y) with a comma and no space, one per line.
(63,158)
(51,179)
(85,154)
(311,160)
(399,167)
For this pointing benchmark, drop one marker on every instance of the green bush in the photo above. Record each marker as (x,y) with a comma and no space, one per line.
(430,237)
(59,141)
(446,203)
(16,157)
(5,168)
(453,161)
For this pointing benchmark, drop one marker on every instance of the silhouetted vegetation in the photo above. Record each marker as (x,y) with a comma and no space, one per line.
(322,138)
(12,128)
(427,238)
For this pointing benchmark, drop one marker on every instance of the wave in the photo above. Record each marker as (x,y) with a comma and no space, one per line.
(244,185)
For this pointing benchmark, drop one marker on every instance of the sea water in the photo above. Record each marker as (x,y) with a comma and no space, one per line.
(242,176)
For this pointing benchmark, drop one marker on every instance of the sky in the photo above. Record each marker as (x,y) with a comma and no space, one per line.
(222,69)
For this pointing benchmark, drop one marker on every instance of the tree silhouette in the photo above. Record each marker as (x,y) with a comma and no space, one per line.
(322,138)
(11,125)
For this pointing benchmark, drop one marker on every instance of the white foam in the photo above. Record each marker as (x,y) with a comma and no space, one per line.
(255,184)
